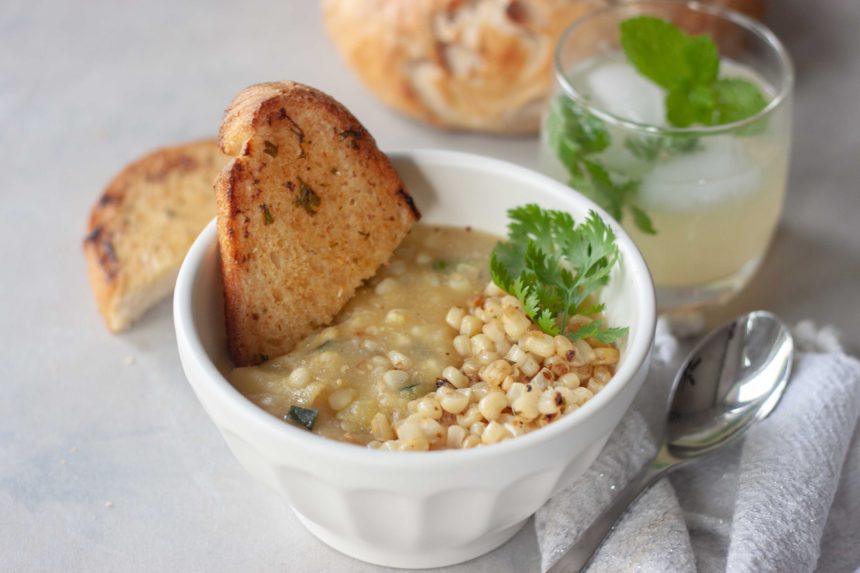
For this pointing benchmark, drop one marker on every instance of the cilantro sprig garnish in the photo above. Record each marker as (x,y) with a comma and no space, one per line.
(554,267)
(688,68)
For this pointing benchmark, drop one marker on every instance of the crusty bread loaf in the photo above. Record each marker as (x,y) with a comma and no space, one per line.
(482,65)
(144,223)
(308,209)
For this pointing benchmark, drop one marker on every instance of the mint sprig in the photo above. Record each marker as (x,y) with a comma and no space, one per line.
(687,67)
(577,137)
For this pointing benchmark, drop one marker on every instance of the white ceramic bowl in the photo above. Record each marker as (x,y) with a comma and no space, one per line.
(427,509)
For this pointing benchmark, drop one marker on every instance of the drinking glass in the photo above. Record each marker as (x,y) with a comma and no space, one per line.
(701,202)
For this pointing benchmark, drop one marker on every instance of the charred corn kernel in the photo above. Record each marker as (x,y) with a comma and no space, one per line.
(538,343)
(455,402)
(429,406)
(563,345)
(542,379)
(516,354)
(486,357)
(492,289)
(395,379)
(409,429)
(509,301)
(463,345)
(493,308)
(606,356)
(381,428)
(470,416)
(455,377)
(299,378)
(494,330)
(602,374)
(471,441)
(577,321)
(569,380)
(482,342)
(419,444)
(495,372)
(494,433)
(557,365)
(516,390)
(492,404)
(594,385)
(471,325)
(584,372)
(433,430)
(455,317)
(471,367)
(455,437)
(550,401)
(514,322)
(581,395)
(340,399)
(526,405)
(529,366)
(398,359)
(581,355)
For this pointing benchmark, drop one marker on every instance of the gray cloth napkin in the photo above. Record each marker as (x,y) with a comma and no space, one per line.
(783,500)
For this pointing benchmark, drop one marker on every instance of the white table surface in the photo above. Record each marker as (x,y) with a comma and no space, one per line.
(110,466)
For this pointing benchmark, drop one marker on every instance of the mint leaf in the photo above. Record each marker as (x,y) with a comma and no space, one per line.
(703,60)
(642,221)
(736,99)
(657,49)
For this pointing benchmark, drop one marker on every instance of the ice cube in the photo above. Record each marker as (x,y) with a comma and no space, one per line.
(618,88)
(722,170)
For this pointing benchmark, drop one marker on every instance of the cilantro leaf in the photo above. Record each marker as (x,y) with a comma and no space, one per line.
(642,220)
(553,266)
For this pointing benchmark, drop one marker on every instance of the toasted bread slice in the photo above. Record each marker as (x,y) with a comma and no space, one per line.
(308,209)
(144,223)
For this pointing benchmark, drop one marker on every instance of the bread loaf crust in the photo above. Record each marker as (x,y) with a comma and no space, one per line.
(307,209)
(483,65)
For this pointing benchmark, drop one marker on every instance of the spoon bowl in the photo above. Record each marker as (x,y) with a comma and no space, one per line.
(731,379)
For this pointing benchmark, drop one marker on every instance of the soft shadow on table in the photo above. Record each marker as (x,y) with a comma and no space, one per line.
(798,273)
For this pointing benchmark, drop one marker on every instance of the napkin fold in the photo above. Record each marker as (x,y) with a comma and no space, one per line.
(764,504)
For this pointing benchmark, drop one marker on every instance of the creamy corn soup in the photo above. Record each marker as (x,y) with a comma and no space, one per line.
(389,344)
(430,354)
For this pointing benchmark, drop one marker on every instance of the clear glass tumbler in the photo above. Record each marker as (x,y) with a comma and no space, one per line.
(701,202)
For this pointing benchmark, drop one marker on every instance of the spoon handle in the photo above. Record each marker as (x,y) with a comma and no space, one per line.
(589,541)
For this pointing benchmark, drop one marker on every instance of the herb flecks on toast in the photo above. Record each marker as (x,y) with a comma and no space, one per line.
(307,210)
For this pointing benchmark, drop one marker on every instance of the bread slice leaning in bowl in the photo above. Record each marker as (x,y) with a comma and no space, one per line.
(308,209)
(144,223)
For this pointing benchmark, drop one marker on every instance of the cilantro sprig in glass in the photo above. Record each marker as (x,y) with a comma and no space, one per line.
(676,118)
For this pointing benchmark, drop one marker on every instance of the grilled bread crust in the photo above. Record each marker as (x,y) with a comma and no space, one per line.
(307,210)
(143,224)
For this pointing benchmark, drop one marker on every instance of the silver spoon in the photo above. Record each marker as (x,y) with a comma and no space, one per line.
(734,377)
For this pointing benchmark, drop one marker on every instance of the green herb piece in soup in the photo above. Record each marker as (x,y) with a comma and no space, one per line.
(440,265)
(306,417)
(554,266)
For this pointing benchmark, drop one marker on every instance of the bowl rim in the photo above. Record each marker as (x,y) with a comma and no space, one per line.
(638,347)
